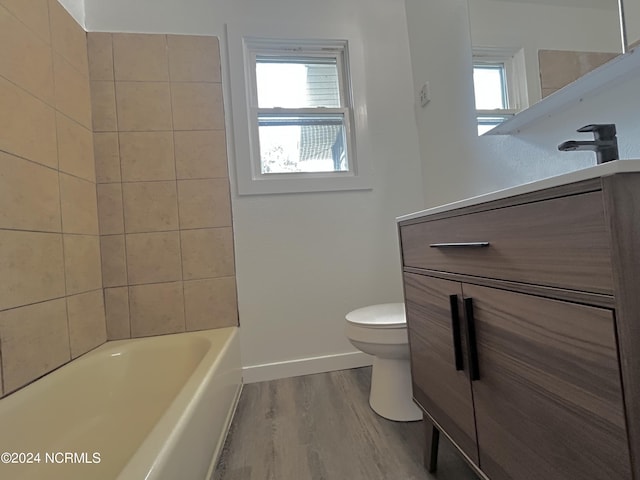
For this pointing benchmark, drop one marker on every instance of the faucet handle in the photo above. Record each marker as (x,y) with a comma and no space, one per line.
(601,131)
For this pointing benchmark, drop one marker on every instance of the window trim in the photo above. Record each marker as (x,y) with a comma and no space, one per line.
(514,77)
(249,179)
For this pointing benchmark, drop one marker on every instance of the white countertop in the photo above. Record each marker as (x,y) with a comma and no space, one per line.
(609,168)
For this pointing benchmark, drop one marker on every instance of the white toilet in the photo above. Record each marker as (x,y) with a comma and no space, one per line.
(381,331)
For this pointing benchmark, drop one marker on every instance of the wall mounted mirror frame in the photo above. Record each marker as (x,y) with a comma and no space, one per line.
(550,44)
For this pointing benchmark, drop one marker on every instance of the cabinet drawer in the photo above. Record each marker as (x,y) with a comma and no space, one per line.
(561,243)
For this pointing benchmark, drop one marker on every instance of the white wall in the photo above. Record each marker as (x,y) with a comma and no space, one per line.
(456,162)
(304,260)
(538,26)
(75,8)
(632,20)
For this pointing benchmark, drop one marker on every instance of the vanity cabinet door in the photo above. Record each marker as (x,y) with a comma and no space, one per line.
(441,387)
(548,401)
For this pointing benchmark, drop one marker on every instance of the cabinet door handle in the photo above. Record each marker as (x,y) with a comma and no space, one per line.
(460,245)
(455,329)
(474,370)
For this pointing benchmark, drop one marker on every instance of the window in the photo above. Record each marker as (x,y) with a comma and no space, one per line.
(302,113)
(499,86)
(299,118)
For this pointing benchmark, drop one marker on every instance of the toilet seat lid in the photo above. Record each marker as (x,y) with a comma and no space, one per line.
(385,315)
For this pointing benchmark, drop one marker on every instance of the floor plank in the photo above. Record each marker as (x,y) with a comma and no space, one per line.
(320,427)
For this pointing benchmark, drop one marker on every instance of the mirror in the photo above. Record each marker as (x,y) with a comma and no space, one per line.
(631,13)
(542,45)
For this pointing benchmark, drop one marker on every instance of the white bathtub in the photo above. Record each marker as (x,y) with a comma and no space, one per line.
(155,408)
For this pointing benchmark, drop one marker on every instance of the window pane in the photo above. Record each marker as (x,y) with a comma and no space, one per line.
(488,83)
(302,144)
(297,83)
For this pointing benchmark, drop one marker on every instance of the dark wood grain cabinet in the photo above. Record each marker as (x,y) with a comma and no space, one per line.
(521,315)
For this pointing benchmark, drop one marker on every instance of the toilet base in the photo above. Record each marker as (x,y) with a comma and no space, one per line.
(391,392)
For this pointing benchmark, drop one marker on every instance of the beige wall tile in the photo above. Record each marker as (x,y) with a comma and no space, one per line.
(143,106)
(194,58)
(87,325)
(548,91)
(153,257)
(114,260)
(201,154)
(33,13)
(25,58)
(79,205)
(210,303)
(29,195)
(204,203)
(73,97)
(557,68)
(82,263)
(100,53)
(140,57)
(67,37)
(32,267)
(207,253)
(156,309)
(150,206)
(197,106)
(107,157)
(146,156)
(110,210)
(103,106)
(1,382)
(116,304)
(75,148)
(28,126)
(34,340)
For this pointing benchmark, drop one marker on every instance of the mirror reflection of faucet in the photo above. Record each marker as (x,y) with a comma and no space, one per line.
(605,143)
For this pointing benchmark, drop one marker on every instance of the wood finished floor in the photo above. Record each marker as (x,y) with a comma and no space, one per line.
(320,427)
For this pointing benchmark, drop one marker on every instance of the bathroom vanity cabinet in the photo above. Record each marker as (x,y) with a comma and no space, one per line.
(523,312)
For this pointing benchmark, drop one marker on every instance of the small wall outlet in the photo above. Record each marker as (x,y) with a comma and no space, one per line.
(425,94)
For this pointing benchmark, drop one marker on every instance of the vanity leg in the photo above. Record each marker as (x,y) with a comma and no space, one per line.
(432,439)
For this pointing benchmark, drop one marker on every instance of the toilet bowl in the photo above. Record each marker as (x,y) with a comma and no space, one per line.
(381,331)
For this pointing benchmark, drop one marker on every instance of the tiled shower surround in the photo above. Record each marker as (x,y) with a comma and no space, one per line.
(51,298)
(163,189)
(154,245)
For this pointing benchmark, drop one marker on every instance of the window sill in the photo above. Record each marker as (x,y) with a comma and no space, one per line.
(302,183)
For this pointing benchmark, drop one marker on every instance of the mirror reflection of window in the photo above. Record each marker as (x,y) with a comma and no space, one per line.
(561,40)
(499,86)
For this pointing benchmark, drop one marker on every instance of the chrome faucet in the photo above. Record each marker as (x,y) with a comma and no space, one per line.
(605,143)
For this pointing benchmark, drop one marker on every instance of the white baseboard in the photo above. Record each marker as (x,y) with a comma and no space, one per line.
(305,366)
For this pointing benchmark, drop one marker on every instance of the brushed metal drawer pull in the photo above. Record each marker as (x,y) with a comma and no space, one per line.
(460,245)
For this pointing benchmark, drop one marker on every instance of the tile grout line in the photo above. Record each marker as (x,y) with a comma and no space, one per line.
(64,297)
(38,164)
(175,169)
(64,259)
(35,32)
(124,226)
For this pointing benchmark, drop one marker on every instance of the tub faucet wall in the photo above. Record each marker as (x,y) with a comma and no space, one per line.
(51,299)
(163,189)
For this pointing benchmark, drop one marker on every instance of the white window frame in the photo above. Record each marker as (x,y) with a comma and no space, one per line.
(298,50)
(243,47)
(515,78)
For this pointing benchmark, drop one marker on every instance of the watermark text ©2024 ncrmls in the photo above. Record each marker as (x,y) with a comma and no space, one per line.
(51,457)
